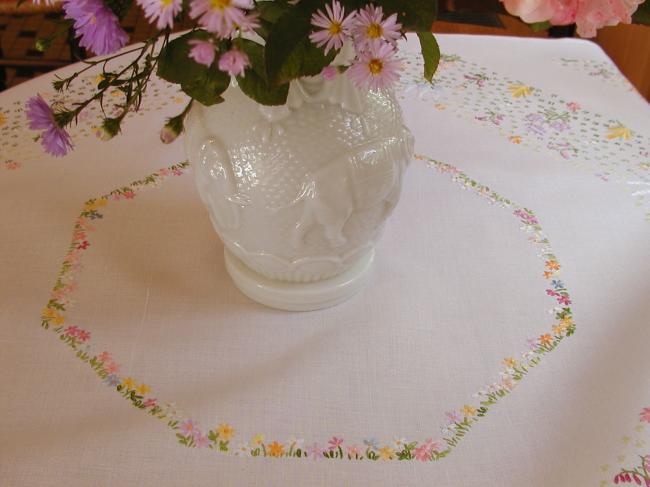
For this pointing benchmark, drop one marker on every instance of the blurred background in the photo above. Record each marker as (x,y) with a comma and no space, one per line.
(20,28)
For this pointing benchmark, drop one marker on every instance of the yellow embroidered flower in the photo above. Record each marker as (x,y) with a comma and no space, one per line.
(3,119)
(258,439)
(48,313)
(519,90)
(515,139)
(468,410)
(545,339)
(226,431)
(276,449)
(552,265)
(559,329)
(567,321)
(58,320)
(509,362)
(440,106)
(619,131)
(128,383)
(419,157)
(386,453)
(142,389)
(548,274)
(94,205)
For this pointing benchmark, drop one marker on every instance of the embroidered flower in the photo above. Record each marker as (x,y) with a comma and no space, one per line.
(129,383)
(187,427)
(275,449)
(469,411)
(226,432)
(334,443)
(142,389)
(386,453)
(644,415)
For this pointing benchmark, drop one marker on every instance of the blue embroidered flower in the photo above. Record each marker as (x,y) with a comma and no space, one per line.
(112,380)
(557,284)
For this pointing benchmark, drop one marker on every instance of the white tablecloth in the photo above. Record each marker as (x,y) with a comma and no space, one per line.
(504,341)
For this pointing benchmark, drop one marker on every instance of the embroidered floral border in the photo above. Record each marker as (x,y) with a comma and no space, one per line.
(635,445)
(457,423)
(545,122)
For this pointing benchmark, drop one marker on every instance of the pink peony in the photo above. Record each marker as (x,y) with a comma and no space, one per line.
(588,15)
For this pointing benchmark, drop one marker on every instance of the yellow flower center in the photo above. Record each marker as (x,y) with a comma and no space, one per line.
(374,31)
(166,3)
(375,66)
(335,28)
(218,4)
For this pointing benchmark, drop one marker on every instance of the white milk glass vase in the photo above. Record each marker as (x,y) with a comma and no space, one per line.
(299,193)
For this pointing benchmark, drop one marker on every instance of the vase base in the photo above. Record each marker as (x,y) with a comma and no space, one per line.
(298,296)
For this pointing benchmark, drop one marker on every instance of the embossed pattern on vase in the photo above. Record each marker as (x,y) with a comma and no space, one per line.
(300,192)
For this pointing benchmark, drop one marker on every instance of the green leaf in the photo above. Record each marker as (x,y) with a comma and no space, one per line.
(286,52)
(207,89)
(540,26)
(430,53)
(414,15)
(174,63)
(254,84)
(642,14)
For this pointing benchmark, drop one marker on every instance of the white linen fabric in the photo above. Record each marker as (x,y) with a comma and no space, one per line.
(504,340)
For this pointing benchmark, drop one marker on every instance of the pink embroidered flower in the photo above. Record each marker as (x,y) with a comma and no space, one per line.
(201,440)
(83,245)
(221,16)
(453,417)
(149,403)
(188,427)
(83,335)
(111,368)
(315,451)
(12,165)
(573,106)
(234,62)
(334,26)
(164,171)
(129,195)
(334,443)
(644,415)
(423,453)
(202,52)
(371,29)
(71,331)
(550,292)
(104,357)
(564,300)
(177,172)
(375,68)
(161,11)
(353,451)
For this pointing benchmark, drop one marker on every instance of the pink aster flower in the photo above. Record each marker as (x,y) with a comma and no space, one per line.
(96,25)
(234,62)
(201,440)
(371,29)
(161,11)
(375,68)
(335,26)
(202,52)
(221,16)
(423,453)
(329,72)
(55,140)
